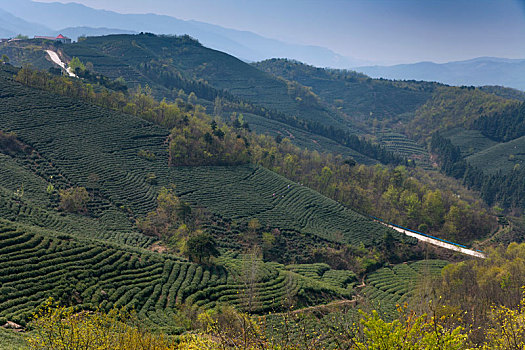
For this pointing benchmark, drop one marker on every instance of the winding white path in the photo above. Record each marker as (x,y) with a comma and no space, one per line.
(438,242)
(54,57)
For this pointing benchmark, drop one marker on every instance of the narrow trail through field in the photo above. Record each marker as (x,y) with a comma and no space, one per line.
(437,242)
(54,57)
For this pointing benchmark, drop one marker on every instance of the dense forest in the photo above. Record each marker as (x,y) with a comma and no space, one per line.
(504,126)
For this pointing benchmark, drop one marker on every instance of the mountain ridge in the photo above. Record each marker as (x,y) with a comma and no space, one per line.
(477,71)
(246,47)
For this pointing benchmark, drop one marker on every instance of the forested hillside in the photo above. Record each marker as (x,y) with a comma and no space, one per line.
(393,194)
(484,123)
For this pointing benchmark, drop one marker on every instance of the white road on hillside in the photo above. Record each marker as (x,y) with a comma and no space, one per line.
(438,242)
(54,57)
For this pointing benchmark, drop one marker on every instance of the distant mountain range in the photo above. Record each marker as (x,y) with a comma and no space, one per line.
(11,26)
(83,20)
(479,71)
(74,20)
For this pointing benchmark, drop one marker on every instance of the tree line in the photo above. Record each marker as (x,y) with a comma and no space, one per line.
(505,125)
(506,190)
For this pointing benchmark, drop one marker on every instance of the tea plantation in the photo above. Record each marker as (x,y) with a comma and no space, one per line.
(100,259)
(303,139)
(83,145)
(391,286)
(186,57)
(400,144)
(39,264)
(502,157)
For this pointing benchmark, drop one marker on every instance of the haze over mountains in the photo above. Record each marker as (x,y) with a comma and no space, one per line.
(74,20)
(11,25)
(242,44)
(478,71)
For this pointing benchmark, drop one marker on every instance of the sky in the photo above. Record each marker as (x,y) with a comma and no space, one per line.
(386,31)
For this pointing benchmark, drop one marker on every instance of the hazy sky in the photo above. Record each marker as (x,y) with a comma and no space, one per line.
(394,31)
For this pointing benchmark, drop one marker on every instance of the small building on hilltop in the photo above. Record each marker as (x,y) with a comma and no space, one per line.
(63,39)
(60,37)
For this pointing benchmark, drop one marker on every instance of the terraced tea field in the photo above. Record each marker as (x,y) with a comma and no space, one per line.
(469,141)
(38,264)
(244,192)
(391,286)
(500,157)
(84,145)
(82,140)
(24,198)
(303,139)
(402,145)
(194,61)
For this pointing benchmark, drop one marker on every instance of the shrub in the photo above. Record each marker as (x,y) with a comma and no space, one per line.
(74,200)
(201,247)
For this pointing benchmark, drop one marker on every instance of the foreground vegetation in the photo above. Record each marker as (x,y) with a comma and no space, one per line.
(441,320)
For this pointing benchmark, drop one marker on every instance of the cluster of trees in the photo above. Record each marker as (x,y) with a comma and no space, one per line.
(405,196)
(505,125)
(9,144)
(74,200)
(452,107)
(58,327)
(203,141)
(506,190)
(489,296)
(179,227)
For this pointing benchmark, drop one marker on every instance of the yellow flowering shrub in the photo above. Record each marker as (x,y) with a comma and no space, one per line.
(61,328)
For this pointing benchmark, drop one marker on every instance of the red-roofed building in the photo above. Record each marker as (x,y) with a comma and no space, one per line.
(61,38)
